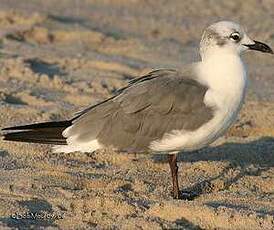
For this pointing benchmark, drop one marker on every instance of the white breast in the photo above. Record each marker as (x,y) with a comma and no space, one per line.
(225,76)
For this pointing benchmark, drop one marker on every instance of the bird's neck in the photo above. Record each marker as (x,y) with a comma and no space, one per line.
(224,74)
(222,69)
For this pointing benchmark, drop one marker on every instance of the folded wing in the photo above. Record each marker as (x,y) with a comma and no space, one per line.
(145,110)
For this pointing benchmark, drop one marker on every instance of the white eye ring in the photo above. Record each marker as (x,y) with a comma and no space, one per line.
(235,36)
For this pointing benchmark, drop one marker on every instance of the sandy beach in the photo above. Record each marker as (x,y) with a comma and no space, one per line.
(60,56)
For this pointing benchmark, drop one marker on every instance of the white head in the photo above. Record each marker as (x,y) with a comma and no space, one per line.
(228,37)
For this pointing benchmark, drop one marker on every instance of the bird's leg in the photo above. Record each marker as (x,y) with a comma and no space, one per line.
(172,160)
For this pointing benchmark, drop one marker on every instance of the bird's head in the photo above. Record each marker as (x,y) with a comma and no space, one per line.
(230,37)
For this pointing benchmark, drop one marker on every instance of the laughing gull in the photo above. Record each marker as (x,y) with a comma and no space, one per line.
(165,111)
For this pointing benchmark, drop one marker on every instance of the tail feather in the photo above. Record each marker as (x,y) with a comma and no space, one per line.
(45,133)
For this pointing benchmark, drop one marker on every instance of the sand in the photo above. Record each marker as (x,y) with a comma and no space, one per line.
(62,56)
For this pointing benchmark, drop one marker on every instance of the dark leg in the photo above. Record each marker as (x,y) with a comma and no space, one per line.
(172,160)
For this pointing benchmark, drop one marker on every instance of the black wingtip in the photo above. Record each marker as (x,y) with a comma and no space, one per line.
(53,124)
(36,136)
(44,133)
(9,128)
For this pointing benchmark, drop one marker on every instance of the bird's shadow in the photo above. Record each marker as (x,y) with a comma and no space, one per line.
(250,158)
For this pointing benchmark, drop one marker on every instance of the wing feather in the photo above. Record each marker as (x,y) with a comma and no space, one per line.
(149,107)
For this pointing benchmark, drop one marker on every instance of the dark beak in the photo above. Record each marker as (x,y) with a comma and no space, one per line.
(260,47)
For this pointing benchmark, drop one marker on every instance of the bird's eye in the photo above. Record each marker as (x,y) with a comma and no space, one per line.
(235,36)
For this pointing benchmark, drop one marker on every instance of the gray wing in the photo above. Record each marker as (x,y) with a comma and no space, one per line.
(142,112)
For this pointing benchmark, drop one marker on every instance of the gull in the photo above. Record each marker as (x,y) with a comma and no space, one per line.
(166,111)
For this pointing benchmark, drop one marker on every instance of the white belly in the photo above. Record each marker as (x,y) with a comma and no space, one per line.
(227,85)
